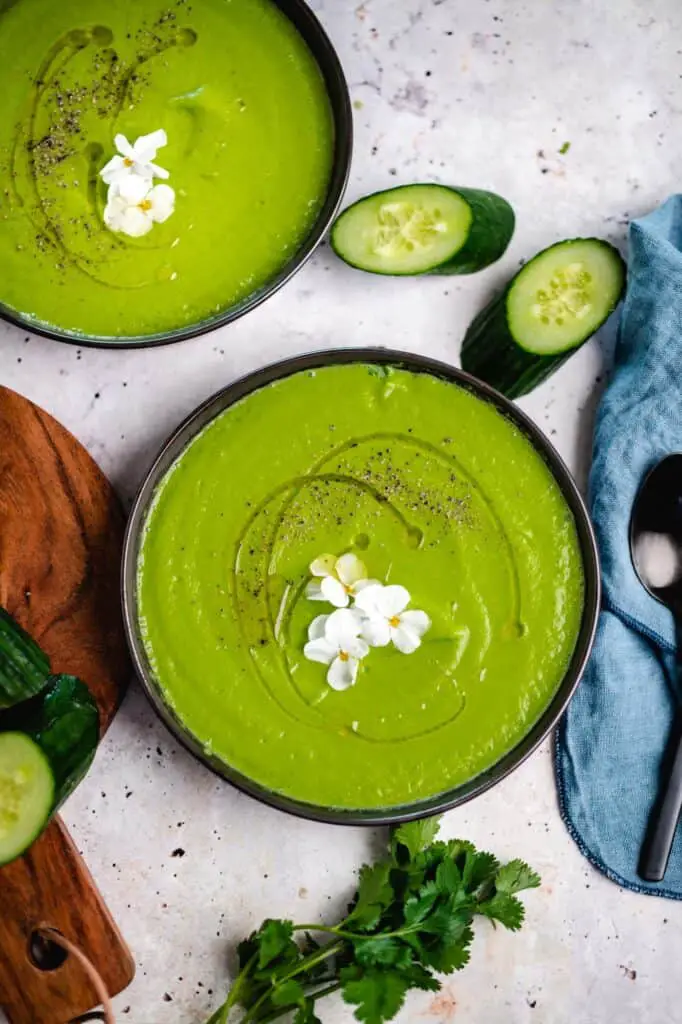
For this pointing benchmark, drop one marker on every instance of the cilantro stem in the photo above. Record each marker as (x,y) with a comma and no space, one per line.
(312,960)
(276,1014)
(221,1014)
(331,930)
(359,936)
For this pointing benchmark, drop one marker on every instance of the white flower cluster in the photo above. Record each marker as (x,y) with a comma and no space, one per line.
(379,616)
(134,202)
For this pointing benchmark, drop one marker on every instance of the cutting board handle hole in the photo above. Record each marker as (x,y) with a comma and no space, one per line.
(45,954)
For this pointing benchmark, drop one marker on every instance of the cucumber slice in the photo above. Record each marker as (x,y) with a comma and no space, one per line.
(54,734)
(26,793)
(24,668)
(551,307)
(424,229)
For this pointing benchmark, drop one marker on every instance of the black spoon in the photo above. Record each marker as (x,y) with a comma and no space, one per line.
(656,552)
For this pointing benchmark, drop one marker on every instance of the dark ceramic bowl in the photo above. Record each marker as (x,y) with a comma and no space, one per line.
(320,46)
(418,364)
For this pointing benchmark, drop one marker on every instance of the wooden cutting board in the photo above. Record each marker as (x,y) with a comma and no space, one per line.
(61,534)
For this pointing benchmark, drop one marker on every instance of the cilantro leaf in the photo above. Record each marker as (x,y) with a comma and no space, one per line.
(273,938)
(373,896)
(448,876)
(446,958)
(418,977)
(378,994)
(380,951)
(508,910)
(419,907)
(416,836)
(516,876)
(478,869)
(289,993)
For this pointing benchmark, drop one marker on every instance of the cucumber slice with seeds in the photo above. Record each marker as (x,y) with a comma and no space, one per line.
(46,746)
(424,229)
(548,310)
(26,793)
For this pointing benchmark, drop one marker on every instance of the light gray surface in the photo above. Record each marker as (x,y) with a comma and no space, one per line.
(472,92)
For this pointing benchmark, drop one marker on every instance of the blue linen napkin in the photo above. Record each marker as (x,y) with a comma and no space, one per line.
(610,742)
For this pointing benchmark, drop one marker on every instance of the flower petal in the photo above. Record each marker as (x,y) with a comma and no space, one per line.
(320,650)
(376,630)
(367,598)
(135,222)
(133,187)
(323,566)
(113,170)
(357,648)
(363,584)
(124,147)
(342,673)
(392,600)
(162,198)
(145,146)
(334,592)
(343,627)
(415,620)
(316,629)
(405,639)
(155,171)
(350,569)
(313,591)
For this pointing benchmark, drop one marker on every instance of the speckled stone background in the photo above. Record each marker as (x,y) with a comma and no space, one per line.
(472,92)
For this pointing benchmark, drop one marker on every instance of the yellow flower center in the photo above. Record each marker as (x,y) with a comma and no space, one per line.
(145,205)
(394,621)
(127,162)
(343,655)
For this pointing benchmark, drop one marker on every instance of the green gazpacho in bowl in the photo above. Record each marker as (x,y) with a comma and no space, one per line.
(358,586)
(242,144)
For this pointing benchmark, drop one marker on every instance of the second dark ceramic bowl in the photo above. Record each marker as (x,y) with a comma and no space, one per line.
(175,446)
(324,53)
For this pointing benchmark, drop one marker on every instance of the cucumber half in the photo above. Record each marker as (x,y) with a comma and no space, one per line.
(26,793)
(46,746)
(24,668)
(424,229)
(551,307)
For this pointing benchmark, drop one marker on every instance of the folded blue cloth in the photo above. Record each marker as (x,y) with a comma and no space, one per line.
(610,742)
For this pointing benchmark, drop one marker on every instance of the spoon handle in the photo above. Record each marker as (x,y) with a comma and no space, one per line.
(664,819)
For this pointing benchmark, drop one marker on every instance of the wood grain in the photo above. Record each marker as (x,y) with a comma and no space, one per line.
(61,534)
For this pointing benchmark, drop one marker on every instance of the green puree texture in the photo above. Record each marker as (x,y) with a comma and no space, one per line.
(435,490)
(250,140)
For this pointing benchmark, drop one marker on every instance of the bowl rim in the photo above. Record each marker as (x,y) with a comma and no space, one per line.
(327,59)
(225,398)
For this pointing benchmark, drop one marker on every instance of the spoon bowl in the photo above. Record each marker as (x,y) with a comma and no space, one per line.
(656,553)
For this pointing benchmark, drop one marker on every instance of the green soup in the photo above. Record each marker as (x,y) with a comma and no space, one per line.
(250,141)
(435,490)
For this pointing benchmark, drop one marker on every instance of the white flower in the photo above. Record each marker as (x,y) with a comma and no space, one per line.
(134,161)
(136,212)
(386,619)
(338,579)
(335,640)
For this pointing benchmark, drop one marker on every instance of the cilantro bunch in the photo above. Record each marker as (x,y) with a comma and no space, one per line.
(410,918)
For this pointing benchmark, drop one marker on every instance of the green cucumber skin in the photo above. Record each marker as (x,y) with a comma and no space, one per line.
(24,668)
(491,353)
(491,230)
(63,721)
(492,227)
